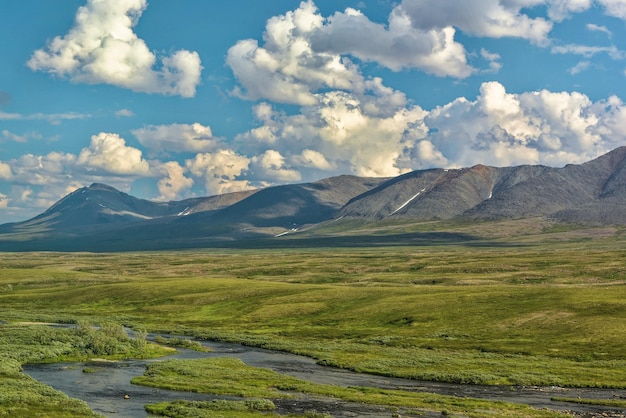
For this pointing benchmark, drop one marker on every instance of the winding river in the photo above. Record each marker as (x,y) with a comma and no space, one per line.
(105,389)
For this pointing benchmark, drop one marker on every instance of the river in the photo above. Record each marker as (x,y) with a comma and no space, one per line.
(106,388)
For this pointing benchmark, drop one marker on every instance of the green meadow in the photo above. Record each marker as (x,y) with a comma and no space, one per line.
(549,311)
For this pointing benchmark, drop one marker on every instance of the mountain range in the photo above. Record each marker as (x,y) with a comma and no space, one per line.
(102,218)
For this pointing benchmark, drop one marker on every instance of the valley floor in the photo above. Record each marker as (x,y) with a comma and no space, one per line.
(532,313)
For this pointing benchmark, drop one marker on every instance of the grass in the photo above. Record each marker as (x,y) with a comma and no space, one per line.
(181,342)
(20,395)
(538,311)
(225,408)
(602,402)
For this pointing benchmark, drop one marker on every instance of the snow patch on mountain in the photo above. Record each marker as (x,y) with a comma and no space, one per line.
(408,201)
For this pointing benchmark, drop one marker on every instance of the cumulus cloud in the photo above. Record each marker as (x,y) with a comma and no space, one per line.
(611,124)
(271,166)
(541,127)
(109,153)
(562,9)
(286,69)
(342,133)
(173,183)
(489,18)
(338,136)
(177,138)
(312,159)
(49,170)
(398,45)
(303,53)
(221,171)
(5,171)
(4,201)
(101,47)
(615,8)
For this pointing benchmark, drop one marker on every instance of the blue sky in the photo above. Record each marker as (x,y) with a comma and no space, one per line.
(174,99)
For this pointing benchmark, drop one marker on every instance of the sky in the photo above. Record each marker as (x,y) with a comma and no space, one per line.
(167,100)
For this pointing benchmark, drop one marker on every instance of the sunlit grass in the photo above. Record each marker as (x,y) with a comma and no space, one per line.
(538,314)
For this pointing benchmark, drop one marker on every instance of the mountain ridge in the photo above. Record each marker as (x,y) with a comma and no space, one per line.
(100,217)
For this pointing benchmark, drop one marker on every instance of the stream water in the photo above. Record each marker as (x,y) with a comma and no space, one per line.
(105,389)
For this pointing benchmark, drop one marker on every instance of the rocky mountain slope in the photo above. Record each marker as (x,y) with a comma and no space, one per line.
(593,192)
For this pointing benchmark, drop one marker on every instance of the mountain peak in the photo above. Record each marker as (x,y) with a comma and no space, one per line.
(102,186)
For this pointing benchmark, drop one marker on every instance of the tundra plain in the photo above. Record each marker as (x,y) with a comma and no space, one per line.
(541,310)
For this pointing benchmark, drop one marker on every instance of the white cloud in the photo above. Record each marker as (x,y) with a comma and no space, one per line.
(177,138)
(270,166)
(612,121)
(303,53)
(109,153)
(580,67)
(9,116)
(559,10)
(596,28)
(286,69)
(397,46)
(615,8)
(4,201)
(221,171)
(107,159)
(312,159)
(53,118)
(343,132)
(488,18)
(38,169)
(101,47)
(10,136)
(5,171)
(493,58)
(424,154)
(174,184)
(124,113)
(589,51)
(541,127)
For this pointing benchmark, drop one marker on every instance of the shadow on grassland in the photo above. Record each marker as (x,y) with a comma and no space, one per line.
(129,241)
(417,239)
